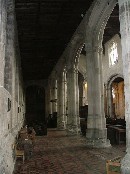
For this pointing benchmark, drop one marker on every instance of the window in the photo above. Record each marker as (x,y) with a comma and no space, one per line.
(113,54)
(113,92)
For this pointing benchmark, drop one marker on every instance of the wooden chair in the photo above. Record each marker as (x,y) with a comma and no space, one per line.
(32,135)
(113,166)
(19,153)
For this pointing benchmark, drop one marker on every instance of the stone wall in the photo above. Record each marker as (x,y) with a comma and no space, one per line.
(109,71)
(12,108)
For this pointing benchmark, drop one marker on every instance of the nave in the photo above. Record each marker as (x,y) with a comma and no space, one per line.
(58,153)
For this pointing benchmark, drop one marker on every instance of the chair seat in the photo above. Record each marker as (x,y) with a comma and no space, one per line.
(19,152)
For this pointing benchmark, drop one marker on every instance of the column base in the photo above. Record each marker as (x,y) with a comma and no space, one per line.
(61,126)
(97,138)
(72,130)
(99,143)
(125,164)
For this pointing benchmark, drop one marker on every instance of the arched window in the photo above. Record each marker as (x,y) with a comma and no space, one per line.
(113,53)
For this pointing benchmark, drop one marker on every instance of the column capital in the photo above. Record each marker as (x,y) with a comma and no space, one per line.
(10,6)
(72,69)
(88,48)
(98,49)
(65,70)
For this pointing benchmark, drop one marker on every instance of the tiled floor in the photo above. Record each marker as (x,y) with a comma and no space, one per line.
(57,153)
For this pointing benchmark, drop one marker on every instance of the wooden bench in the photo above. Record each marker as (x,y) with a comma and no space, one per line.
(120,134)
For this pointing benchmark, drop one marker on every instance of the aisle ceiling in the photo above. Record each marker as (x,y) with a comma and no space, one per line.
(45,27)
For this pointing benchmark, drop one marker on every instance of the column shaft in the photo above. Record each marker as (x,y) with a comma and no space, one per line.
(60,103)
(124,12)
(96,133)
(110,113)
(53,85)
(72,121)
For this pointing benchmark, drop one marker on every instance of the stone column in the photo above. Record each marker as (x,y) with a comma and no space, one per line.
(81,93)
(60,102)
(110,109)
(49,98)
(124,12)
(54,94)
(85,97)
(77,97)
(47,101)
(96,132)
(72,122)
(65,96)
(50,106)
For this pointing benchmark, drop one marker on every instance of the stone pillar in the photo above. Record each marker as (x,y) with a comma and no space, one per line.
(54,94)
(81,92)
(65,96)
(50,106)
(96,132)
(49,98)
(72,121)
(124,12)
(110,109)
(47,101)
(77,97)
(85,98)
(60,102)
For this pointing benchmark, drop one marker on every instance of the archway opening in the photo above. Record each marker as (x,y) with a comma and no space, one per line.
(116,121)
(35,109)
(118,103)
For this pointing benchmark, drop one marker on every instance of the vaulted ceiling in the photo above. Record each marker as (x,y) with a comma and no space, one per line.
(45,27)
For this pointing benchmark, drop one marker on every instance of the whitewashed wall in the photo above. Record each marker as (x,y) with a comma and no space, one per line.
(109,71)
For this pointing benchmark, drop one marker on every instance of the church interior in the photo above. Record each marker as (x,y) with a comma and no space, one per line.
(64,86)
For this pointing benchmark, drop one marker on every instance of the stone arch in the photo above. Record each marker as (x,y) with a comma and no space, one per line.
(109,92)
(78,52)
(81,69)
(75,49)
(77,40)
(98,19)
(112,78)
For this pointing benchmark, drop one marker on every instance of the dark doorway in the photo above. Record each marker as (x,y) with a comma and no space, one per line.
(35,109)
